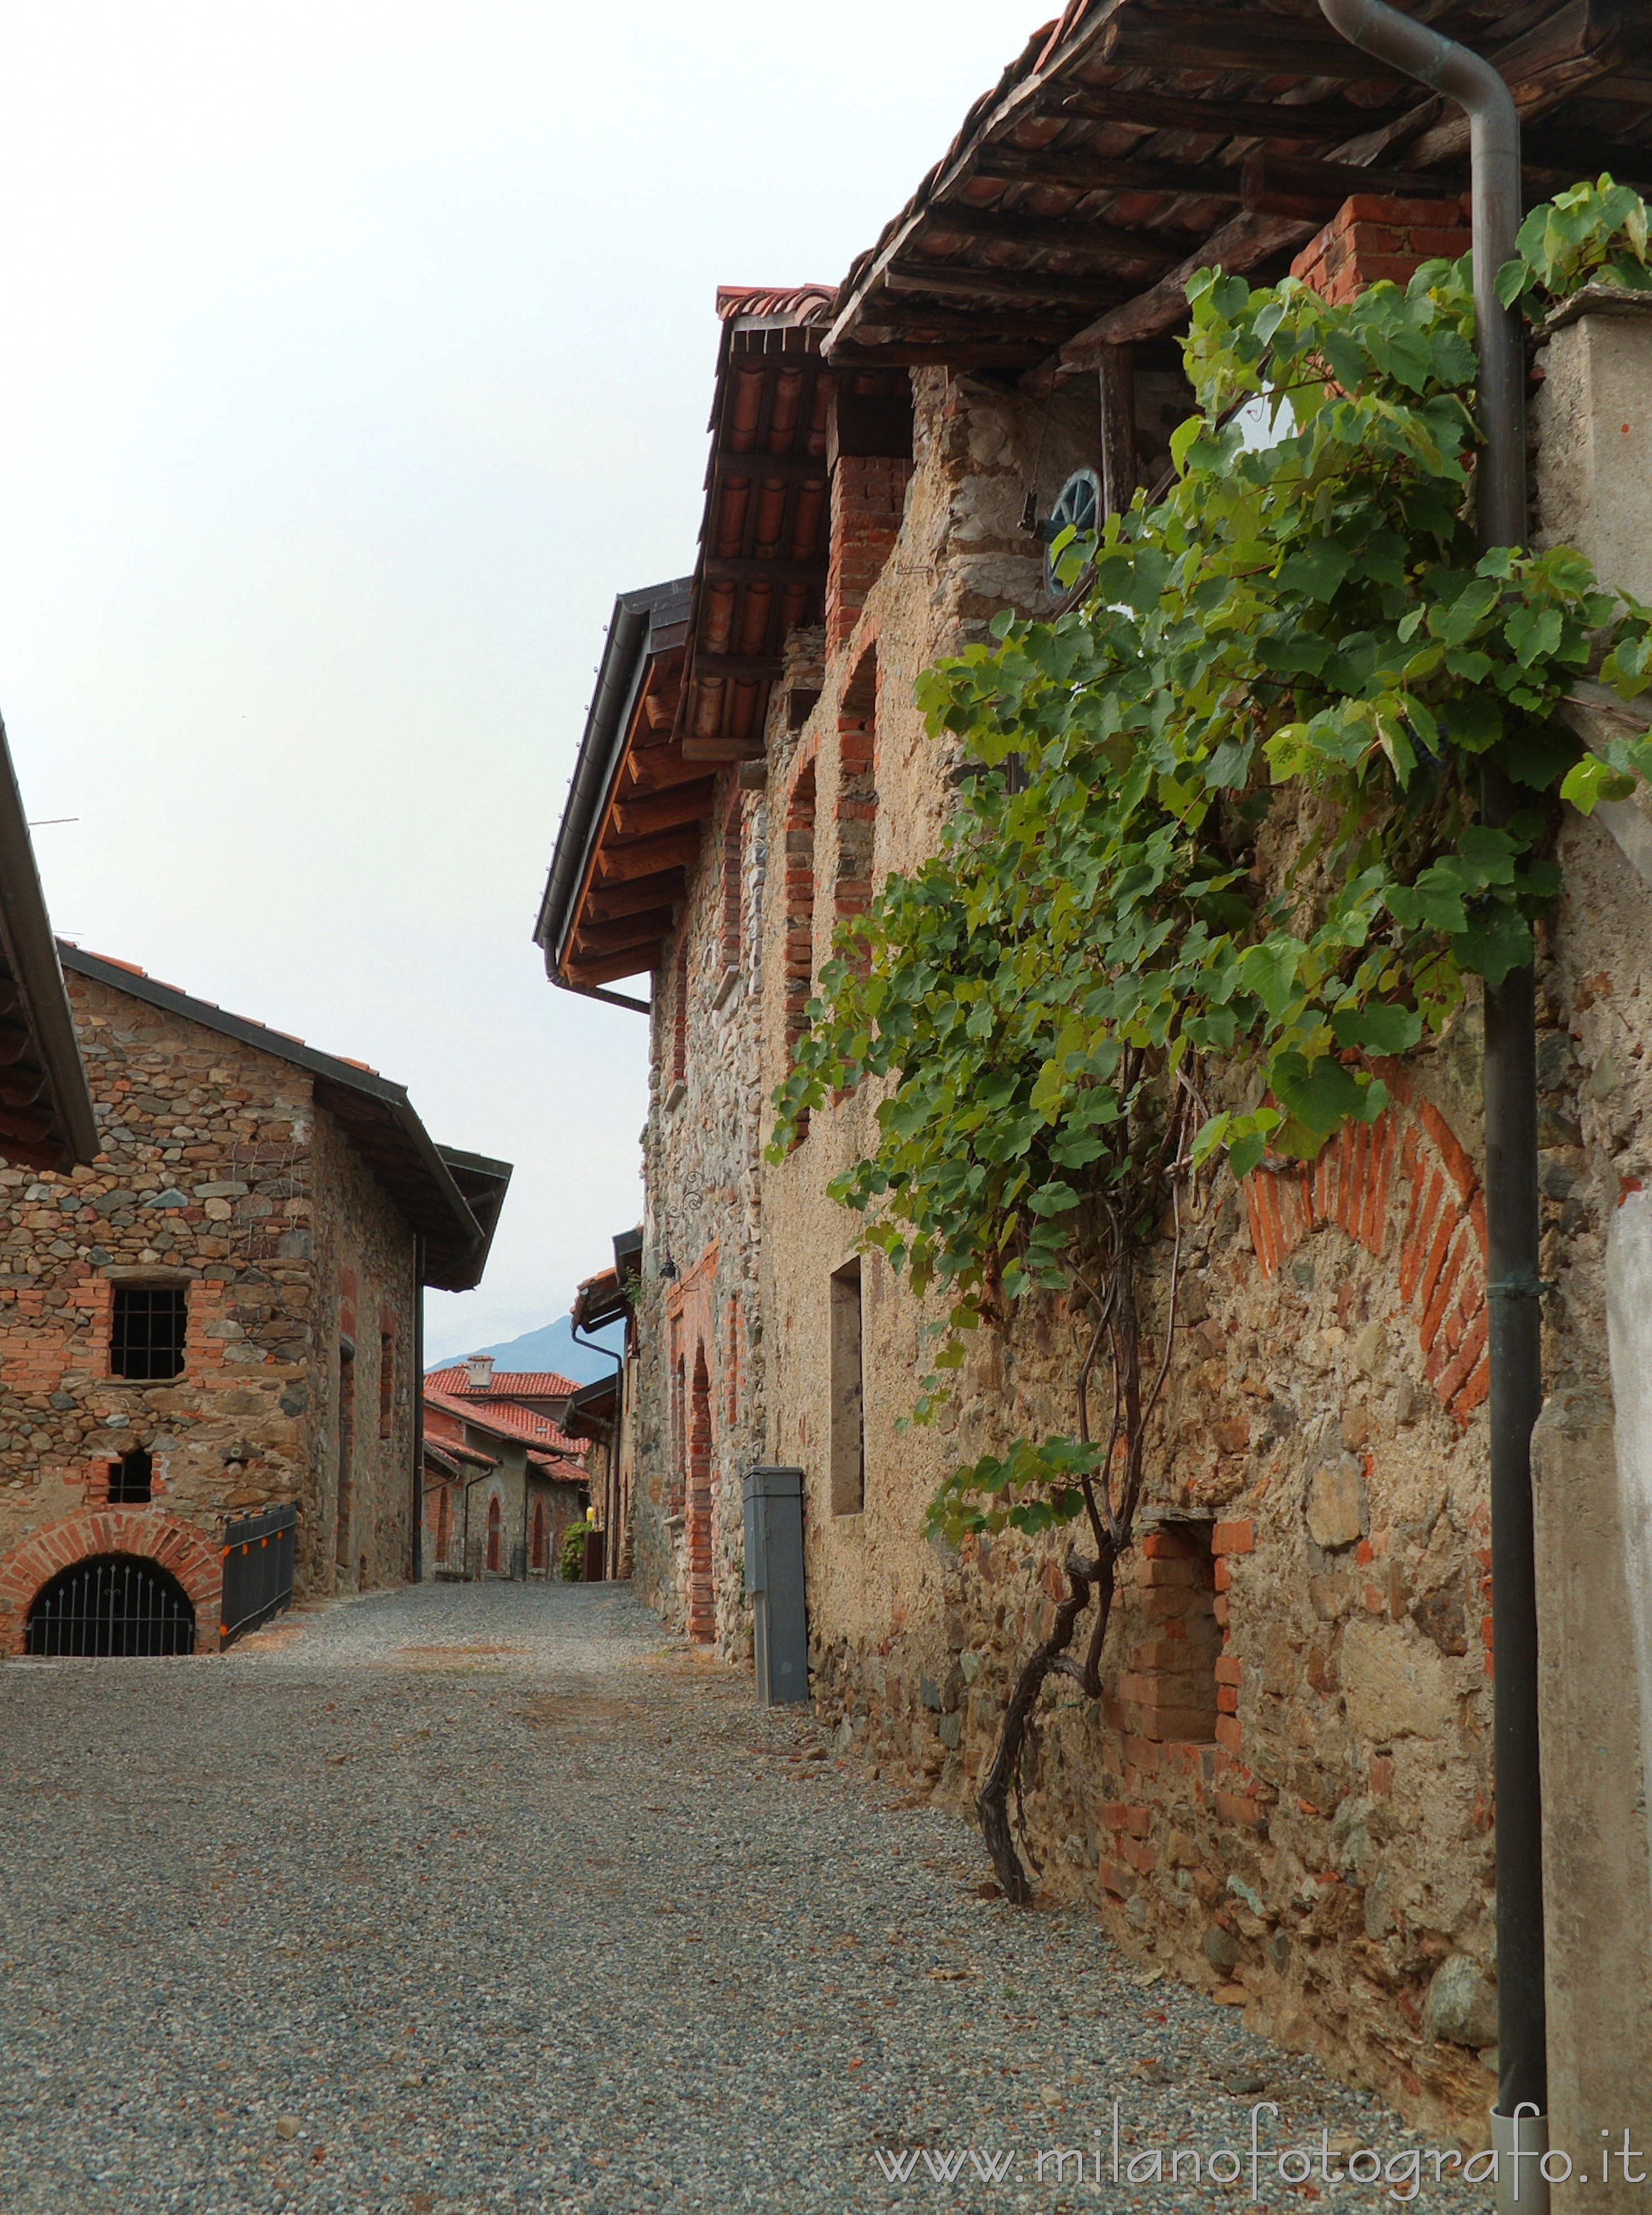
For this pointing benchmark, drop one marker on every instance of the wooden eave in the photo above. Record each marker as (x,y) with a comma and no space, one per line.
(760,572)
(1144,141)
(651,824)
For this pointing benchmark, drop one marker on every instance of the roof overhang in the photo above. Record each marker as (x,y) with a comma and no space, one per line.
(1136,143)
(687,668)
(761,573)
(46,1121)
(590,1414)
(618,870)
(601,1299)
(375,1116)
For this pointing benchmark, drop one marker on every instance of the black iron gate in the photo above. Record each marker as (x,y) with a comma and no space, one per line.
(111,1605)
(257,1570)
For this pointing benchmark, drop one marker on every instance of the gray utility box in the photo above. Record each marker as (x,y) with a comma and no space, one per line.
(774,1506)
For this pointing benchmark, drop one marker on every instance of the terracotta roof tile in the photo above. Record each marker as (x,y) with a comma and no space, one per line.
(505,1418)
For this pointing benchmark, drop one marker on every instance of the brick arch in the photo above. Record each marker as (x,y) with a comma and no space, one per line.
(1407,1168)
(182,1552)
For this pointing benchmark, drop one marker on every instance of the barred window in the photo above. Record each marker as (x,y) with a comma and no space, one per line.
(387,1383)
(147,1338)
(130,1479)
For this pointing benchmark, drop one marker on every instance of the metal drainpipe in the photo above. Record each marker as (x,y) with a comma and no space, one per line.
(418,1412)
(1512,1220)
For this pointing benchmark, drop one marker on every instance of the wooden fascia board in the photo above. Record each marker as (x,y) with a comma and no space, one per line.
(662,668)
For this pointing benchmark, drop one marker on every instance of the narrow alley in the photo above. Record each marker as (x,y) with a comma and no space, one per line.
(465,1898)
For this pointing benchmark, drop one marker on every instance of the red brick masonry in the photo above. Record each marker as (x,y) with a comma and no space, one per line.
(172,1546)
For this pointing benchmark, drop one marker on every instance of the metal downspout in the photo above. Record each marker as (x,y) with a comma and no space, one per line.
(418,1412)
(1511,1172)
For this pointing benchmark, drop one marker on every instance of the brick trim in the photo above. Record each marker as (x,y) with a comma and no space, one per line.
(1371,238)
(1409,1159)
(176,1547)
(868,502)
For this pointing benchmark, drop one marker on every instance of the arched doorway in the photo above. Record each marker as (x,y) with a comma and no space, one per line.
(111,1605)
(495,1533)
(538,1557)
(697,1528)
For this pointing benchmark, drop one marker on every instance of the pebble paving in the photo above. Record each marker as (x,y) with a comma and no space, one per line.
(466,1900)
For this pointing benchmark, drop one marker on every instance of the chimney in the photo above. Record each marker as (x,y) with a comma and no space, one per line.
(479,1369)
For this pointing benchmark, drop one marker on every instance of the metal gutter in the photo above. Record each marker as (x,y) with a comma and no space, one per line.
(1519,2119)
(418,1412)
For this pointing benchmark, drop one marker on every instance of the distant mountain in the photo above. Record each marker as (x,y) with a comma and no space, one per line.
(552,1346)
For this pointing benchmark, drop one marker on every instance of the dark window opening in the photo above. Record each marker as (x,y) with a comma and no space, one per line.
(848,1439)
(495,1535)
(146,1338)
(385,1383)
(344,1502)
(1174,1693)
(130,1479)
(114,1604)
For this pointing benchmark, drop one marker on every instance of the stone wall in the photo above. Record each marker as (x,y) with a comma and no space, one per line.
(697,1388)
(220,1176)
(364,1264)
(1285,1794)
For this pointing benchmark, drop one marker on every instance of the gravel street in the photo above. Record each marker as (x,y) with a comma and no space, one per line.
(487,1898)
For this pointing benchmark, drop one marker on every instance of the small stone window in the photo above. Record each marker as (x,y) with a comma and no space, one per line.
(146,1338)
(849,1441)
(130,1479)
(1170,1690)
(386,1383)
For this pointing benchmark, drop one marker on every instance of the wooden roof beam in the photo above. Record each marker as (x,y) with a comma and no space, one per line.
(612,967)
(655,769)
(1217,119)
(1135,250)
(736,468)
(592,941)
(1076,169)
(675,850)
(1238,246)
(610,904)
(723,749)
(959,323)
(1213,39)
(738,569)
(969,281)
(643,817)
(739,668)
(1311,192)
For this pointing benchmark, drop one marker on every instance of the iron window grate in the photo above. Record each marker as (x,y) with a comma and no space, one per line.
(132,1479)
(146,1340)
(114,1604)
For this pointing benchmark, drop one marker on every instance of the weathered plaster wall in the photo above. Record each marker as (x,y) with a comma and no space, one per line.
(1594,1445)
(364,1278)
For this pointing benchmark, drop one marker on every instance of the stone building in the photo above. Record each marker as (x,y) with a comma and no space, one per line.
(220,1311)
(1285,1796)
(605,1411)
(518,1478)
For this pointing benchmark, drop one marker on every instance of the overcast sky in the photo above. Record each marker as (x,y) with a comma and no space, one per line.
(354,357)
